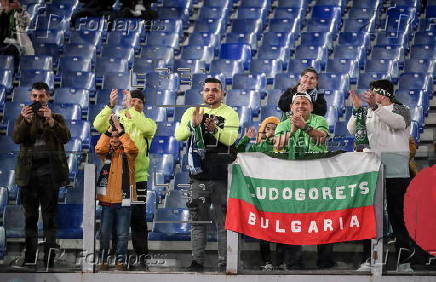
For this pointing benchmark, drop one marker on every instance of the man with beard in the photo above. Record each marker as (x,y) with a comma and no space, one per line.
(211,130)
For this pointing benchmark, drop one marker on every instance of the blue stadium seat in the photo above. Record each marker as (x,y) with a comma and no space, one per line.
(388,52)
(339,143)
(354,39)
(28,77)
(203,39)
(332,118)
(425,38)
(13,221)
(158,53)
(48,22)
(336,99)
(176,199)
(252,13)
(334,81)
(383,66)
(2,242)
(227,67)
(247,26)
(322,25)
(293,4)
(129,25)
(28,62)
(359,25)
(416,80)
(86,37)
(164,164)
(313,53)
(236,51)
(259,4)
(371,4)
(84,80)
(116,80)
(144,65)
(12,110)
(268,67)
(214,13)
(182,180)
(284,81)
(168,25)
(74,64)
(6,62)
(178,230)
(419,65)
(73,96)
(321,39)
(119,52)
(165,145)
(202,53)
(159,98)
(70,221)
(392,39)
(188,66)
(414,131)
(166,128)
(47,49)
(3,198)
(245,116)
(81,129)
(198,79)
(216,27)
(193,97)
(273,96)
(69,111)
(123,39)
(151,205)
(280,39)
(287,13)
(2,96)
(158,114)
(80,50)
(174,13)
(284,25)
(157,183)
(297,66)
(109,64)
(266,52)
(21,95)
(242,97)
(218,3)
(361,13)
(400,19)
(162,80)
(350,67)
(413,98)
(366,77)
(351,53)
(417,114)
(242,38)
(64,10)
(322,11)
(423,52)
(270,111)
(166,39)
(250,82)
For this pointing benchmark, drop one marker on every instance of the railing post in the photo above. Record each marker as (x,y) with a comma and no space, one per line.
(89,219)
(377,258)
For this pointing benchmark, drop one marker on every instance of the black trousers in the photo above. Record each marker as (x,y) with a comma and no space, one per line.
(292,255)
(138,223)
(40,191)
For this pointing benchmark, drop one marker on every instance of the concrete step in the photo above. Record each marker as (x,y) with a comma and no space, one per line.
(427,135)
(430,120)
(422,152)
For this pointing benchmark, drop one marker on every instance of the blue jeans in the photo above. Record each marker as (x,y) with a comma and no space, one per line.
(108,216)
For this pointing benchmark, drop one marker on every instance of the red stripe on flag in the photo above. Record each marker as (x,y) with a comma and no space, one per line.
(301,229)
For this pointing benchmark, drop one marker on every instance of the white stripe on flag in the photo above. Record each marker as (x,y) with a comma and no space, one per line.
(258,165)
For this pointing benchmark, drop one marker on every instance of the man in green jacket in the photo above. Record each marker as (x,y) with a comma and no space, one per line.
(141,130)
(41,169)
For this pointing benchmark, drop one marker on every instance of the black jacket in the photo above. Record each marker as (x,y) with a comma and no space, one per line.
(319,105)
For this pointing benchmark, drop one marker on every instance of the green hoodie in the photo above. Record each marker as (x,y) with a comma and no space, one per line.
(139,129)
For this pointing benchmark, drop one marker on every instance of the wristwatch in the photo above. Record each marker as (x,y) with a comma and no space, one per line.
(307,128)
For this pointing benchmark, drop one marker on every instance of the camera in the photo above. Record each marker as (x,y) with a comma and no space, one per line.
(36,106)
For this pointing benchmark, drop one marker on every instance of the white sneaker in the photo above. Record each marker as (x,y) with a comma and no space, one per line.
(267,267)
(405,267)
(366,266)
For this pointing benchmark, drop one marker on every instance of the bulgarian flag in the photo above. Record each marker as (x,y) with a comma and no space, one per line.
(303,202)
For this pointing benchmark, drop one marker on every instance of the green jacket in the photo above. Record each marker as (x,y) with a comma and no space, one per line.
(55,137)
(140,129)
(263,147)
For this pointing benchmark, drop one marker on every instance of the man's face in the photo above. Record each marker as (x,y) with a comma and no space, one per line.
(137,104)
(115,141)
(302,106)
(270,129)
(310,80)
(39,96)
(212,93)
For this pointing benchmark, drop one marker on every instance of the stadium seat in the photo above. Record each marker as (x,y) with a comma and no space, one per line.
(119,52)
(73,96)
(116,80)
(151,205)
(425,38)
(164,164)
(188,66)
(250,13)
(383,66)
(144,65)
(313,53)
(178,230)
(320,39)
(361,13)
(166,39)
(86,37)
(216,27)
(198,79)
(158,53)
(176,199)
(166,128)
(416,80)
(388,53)
(84,80)
(351,53)
(250,82)
(47,49)
(68,111)
(218,3)
(322,25)
(245,116)
(413,98)
(64,10)
(273,96)
(414,131)
(203,39)
(123,39)
(350,67)
(202,53)
(423,52)
(242,38)
(297,66)
(287,13)
(419,65)
(2,96)
(44,63)
(28,77)
(268,67)
(354,39)
(162,80)
(359,25)
(284,81)
(6,62)
(105,65)
(13,221)
(193,97)
(236,51)
(334,81)
(292,4)
(392,39)
(165,145)
(322,10)
(21,95)
(174,13)
(158,114)
(270,111)
(259,4)
(332,118)
(339,143)
(284,25)
(182,180)
(70,221)
(246,98)
(159,98)
(280,39)
(366,77)
(336,99)
(81,129)
(3,197)
(80,50)
(74,64)
(247,26)
(417,114)
(48,22)
(266,52)
(227,67)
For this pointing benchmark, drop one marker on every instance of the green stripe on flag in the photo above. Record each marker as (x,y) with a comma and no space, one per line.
(304,196)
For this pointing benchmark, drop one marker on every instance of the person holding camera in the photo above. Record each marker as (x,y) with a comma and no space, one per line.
(118,151)
(41,169)
(141,130)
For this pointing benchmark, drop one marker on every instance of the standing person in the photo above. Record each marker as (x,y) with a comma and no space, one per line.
(41,169)
(212,130)
(141,130)
(303,132)
(116,148)
(387,125)
(308,83)
(264,143)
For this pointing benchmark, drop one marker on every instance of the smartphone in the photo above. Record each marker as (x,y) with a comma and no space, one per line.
(36,106)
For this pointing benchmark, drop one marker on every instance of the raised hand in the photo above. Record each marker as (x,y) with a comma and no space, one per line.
(197,116)
(27,113)
(250,132)
(127,97)
(355,99)
(369,97)
(113,97)
(297,121)
(47,113)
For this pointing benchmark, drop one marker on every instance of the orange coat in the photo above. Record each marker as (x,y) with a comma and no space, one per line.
(113,189)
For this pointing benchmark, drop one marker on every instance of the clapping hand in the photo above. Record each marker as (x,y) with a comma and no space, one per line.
(250,132)
(197,116)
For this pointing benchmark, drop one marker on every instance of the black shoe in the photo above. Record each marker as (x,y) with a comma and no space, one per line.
(222,267)
(22,263)
(326,264)
(195,267)
(406,255)
(295,266)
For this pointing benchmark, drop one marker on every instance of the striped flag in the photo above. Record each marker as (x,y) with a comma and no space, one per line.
(303,202)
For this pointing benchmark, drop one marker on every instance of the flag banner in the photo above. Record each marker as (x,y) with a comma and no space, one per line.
(303,202)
